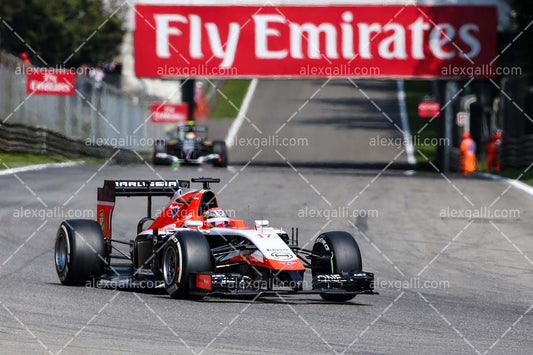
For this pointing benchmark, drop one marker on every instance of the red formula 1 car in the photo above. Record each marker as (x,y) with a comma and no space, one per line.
(193,249)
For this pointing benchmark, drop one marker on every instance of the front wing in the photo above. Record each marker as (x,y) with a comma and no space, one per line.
(238,285)
(168,159)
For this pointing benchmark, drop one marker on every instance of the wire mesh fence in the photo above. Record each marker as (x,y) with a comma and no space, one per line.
(95,113)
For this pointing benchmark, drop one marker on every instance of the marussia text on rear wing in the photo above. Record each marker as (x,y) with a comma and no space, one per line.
(129,188)
(144,187)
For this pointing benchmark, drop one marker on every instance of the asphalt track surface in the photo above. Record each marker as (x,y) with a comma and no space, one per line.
(480,270)
(316,122)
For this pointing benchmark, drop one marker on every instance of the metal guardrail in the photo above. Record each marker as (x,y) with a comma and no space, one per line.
(92,113)
(19,138)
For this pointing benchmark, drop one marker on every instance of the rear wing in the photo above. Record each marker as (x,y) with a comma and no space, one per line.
(107,194)
(143,187)
(197,129)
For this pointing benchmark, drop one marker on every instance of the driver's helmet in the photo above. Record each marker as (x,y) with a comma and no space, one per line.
(216,217)
(190,135)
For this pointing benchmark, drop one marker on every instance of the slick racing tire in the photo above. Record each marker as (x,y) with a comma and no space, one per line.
(337,252)
(80,251)
(219,147)
(160,147)
(186,252)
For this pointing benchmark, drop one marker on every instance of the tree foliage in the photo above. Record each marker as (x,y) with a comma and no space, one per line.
(61,32)
(523,18)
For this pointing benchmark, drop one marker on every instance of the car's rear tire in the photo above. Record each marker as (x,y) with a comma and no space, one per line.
(219,147)
(338,252)
(80,251)
(186,252)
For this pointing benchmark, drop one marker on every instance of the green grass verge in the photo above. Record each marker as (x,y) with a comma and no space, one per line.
(13,160)
(415,91)
(234,90)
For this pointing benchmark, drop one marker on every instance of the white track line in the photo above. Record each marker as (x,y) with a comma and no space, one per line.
(405,124)
(35,167)
(237,123)
(515,183)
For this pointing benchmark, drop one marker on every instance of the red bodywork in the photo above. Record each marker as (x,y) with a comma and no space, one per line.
(189,207)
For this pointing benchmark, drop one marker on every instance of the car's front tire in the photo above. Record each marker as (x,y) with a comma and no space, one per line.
(186,252)
(336,252)
(80,251)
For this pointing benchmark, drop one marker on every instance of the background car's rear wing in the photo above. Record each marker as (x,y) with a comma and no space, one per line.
(106,196)
(197,129)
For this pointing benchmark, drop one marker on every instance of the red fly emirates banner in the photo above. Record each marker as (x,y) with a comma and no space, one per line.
(49,82)
(165,113)
(315,41)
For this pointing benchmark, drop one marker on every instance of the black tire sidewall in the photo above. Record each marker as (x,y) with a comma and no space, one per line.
(64,273)
(160,146)
(219,147)
(86,252)
(174,288)
(346,257)
(195,254)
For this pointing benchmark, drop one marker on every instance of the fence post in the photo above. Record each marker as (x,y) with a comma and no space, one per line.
(44,147)
(68,117)
(94,114)
(449,92)
(79,118)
